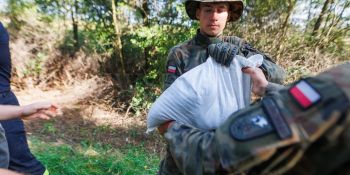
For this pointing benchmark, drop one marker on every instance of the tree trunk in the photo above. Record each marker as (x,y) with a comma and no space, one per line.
(146,51)
(119,47)
(145,13)
(320,17)
(309,15)
(75,24)
(291,4)
(335,20)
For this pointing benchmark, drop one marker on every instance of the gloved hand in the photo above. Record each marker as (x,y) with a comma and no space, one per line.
(223,52)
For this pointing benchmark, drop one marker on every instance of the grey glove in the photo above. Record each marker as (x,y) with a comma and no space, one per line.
(223,52)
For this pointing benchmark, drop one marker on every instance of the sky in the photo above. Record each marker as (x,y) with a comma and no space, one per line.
(2,5)
(300,13)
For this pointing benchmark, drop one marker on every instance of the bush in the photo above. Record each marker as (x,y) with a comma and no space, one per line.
(155,41)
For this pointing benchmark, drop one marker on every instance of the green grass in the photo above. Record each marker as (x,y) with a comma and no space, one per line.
(65,159)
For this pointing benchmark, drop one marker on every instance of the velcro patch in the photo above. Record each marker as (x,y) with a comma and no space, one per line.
(171,69)
(250,126)
(277,119)
(304,94)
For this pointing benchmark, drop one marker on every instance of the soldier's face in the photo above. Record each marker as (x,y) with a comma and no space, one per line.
(212,17)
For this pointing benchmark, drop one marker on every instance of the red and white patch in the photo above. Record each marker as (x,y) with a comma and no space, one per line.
(171,69)
(304,94)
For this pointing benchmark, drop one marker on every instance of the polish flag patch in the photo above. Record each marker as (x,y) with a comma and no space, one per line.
(171,69)
(304,94)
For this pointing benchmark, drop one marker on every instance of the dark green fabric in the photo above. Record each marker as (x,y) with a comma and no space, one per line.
(192,53)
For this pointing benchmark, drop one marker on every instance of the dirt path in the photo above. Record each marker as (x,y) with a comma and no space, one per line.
(87,122)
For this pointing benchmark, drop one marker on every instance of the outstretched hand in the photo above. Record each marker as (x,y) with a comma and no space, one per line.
(259,80)
(8,172)
(223,52)
(40,110)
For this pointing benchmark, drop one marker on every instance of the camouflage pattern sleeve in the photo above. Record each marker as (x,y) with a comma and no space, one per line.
(271,135)
(273,72)
(193,150)
(271,87)
(172,69)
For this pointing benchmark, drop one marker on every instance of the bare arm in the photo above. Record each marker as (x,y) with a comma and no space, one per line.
(39,110)
(8,172)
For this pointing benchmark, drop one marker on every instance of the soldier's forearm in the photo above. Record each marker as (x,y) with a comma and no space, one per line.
(193,150)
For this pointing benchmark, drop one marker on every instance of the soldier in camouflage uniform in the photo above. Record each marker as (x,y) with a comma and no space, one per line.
(212,16)
(193,52)
(308,121)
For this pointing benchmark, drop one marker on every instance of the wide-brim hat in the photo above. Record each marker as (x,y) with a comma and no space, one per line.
(236,8)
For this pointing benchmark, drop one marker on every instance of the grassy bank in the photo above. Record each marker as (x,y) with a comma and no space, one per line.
(96,159)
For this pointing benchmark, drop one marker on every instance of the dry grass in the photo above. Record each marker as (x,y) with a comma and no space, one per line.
(292,50)
(86,120)
(91,111)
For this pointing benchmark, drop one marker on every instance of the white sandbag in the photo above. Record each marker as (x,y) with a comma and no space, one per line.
(205,96)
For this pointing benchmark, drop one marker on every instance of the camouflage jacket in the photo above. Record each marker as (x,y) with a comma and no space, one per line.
(192,53)
(309,117)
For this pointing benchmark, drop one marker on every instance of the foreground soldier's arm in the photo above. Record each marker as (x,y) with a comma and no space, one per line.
(292,117)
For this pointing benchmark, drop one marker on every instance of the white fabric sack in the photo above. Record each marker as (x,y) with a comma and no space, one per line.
(205,96)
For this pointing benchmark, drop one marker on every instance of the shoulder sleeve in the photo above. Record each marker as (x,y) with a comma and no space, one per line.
(233,40)
(173,70)
(273,72)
